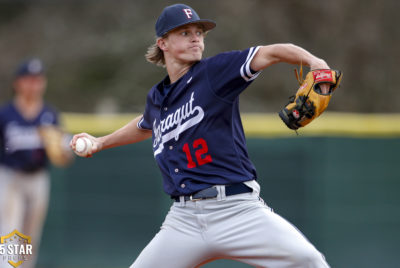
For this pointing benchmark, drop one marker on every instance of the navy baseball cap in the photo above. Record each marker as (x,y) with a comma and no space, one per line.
(30,67)
(178,15)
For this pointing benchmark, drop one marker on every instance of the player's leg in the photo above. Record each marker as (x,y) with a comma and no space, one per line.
(3,190)
(259,237)
(179,243)
(37,189)
(11,206)
(12,203)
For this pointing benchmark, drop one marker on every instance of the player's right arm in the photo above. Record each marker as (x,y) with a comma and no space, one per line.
(130,133)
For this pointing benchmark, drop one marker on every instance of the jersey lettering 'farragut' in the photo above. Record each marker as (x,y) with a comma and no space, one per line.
(175,120)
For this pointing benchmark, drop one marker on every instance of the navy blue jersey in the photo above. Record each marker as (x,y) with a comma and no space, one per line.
(20,145)
(198,138)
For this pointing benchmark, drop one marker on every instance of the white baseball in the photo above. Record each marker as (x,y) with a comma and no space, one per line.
(83,146)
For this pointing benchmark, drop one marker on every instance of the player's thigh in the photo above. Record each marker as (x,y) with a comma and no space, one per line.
(171,248)
(37,192)
(37,205)
(287,246)
(262,238)
(12,202)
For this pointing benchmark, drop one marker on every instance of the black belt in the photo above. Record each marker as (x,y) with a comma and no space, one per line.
(30,170)
(232,189)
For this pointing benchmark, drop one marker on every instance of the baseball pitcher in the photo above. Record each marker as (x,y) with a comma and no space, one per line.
(199,145)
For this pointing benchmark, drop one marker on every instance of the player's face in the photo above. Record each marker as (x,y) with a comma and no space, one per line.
(30,86)
(186,43)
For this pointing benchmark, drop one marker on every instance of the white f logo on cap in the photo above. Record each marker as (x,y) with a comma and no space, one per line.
(188,12)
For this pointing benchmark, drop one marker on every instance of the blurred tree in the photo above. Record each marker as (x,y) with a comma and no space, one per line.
(94,49)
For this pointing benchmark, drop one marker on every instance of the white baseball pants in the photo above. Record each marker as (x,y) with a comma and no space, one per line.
(23,206)
(238,227)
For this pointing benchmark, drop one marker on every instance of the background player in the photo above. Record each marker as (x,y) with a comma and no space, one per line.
(199,145)
(24,178)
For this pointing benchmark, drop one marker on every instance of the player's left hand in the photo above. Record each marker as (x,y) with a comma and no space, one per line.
(325,88)
(321,64)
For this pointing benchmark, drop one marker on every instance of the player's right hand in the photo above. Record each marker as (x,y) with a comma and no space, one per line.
(96,143)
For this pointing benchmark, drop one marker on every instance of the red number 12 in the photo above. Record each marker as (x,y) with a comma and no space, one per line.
(200,153)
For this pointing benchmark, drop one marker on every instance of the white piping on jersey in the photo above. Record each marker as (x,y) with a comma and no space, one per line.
(175,119)
(140,122)
(245,68)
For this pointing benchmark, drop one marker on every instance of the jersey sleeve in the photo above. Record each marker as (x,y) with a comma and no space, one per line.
(230,73)
(145,121)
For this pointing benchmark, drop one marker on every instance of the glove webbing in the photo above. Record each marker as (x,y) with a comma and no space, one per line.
(302,99)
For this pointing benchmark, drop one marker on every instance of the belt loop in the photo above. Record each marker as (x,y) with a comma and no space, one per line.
(253,184)
(221,193)
(181,201)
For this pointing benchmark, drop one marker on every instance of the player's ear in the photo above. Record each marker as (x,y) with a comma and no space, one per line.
(161,43)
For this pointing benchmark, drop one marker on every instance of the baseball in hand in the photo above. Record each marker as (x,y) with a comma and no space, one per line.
(83,146)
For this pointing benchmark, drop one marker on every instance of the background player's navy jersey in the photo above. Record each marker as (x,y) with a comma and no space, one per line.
(21,148)
(198,138)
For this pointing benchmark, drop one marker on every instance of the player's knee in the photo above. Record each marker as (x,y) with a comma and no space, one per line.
(310,257)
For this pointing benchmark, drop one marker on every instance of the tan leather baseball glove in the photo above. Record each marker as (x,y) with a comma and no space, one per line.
(309,101)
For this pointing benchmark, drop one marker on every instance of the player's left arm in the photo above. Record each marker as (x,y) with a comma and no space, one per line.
(288,53)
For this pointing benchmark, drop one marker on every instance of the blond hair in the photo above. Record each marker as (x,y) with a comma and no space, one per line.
(155,55)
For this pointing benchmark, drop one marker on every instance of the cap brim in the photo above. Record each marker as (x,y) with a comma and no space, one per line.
(208,25)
